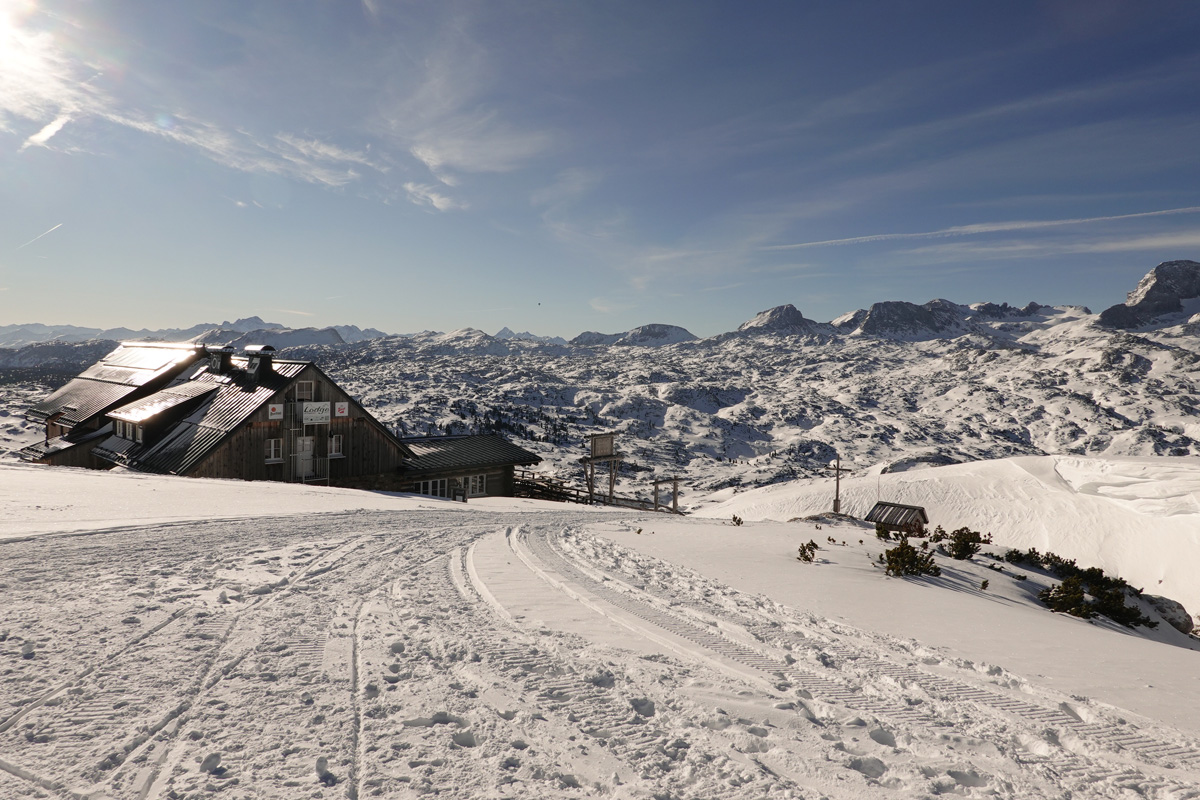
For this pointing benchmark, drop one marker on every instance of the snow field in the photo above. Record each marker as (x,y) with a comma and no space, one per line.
(502,651)
(1136,518)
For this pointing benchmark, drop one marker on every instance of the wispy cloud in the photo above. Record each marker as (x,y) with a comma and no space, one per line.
(40,235)
(1183,242)
(295,312)
(40,138)
(45,81)
(982,228)
(444,118)
(423,194)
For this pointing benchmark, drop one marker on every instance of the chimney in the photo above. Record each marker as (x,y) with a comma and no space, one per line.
(219,358)
(259,361)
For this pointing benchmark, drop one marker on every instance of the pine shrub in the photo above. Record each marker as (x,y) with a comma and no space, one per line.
(808,552)
(905,560)
(964,543)
(1068,597)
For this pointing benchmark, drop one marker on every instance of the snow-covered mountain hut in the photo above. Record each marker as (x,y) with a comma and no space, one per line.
(252,416)
(212,412)
(897,516)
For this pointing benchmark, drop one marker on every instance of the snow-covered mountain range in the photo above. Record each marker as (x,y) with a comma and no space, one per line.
(251,329)
(897,384)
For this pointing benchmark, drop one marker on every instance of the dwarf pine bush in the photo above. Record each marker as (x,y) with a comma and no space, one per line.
(1071,596)
(905,560)
(808,552)
(965,543)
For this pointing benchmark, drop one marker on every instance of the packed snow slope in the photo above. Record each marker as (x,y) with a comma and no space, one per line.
(350,645)
(1136,518)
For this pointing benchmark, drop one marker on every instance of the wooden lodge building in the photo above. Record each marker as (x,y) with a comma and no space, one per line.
(205,412)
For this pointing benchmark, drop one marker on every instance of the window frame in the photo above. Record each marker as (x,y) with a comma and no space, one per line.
(476,485)
(336,444)
(273,452)
(311,391)
(433,487)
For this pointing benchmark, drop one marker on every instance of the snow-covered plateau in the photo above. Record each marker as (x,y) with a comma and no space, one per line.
(170,638)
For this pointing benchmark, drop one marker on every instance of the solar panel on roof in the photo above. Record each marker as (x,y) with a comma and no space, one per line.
(152,358)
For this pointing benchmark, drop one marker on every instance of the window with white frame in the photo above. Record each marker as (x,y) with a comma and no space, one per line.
(435,487)
(335,446)
(305,390)
(274,451)
(475,485)
(138,434)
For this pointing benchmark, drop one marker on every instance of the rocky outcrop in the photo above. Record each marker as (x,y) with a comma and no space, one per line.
(653,335)
(896,319)
(782,319)
(656,335)
(1159,293)
(594,338)
(1173,612)
(1004,310)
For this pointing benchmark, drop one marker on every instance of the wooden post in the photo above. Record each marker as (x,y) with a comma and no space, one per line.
(675,495)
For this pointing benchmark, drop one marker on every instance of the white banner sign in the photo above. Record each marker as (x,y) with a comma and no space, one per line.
(341,409)
(275,411)
(315,413)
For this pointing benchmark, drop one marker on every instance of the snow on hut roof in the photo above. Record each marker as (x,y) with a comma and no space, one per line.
(896,515)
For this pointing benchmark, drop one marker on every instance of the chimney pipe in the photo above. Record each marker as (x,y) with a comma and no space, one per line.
(259,358)
(219,358)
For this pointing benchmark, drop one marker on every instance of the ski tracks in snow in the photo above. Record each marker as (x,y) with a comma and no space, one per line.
(361,654)
(1107,757)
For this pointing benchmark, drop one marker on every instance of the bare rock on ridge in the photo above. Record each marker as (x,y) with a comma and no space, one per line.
(896,319)
(653,335)
(782,319)
(1160,292)
(1173,612)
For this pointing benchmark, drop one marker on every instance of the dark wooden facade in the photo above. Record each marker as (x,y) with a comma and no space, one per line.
(367,448)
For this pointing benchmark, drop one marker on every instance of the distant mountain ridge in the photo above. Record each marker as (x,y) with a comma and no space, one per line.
(22,335)
(1158,296)
(653,335)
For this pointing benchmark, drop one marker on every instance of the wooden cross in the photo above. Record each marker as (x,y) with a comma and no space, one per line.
(837,484)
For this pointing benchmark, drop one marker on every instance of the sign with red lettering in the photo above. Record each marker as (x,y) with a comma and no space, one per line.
(341,409)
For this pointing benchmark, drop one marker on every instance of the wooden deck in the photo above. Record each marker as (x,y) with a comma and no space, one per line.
(539,487)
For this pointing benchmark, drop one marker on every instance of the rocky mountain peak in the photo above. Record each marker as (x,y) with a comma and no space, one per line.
(898,319)
(1160,292)
(784,319)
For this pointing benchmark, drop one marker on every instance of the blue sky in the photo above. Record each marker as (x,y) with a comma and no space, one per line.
(564,166)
